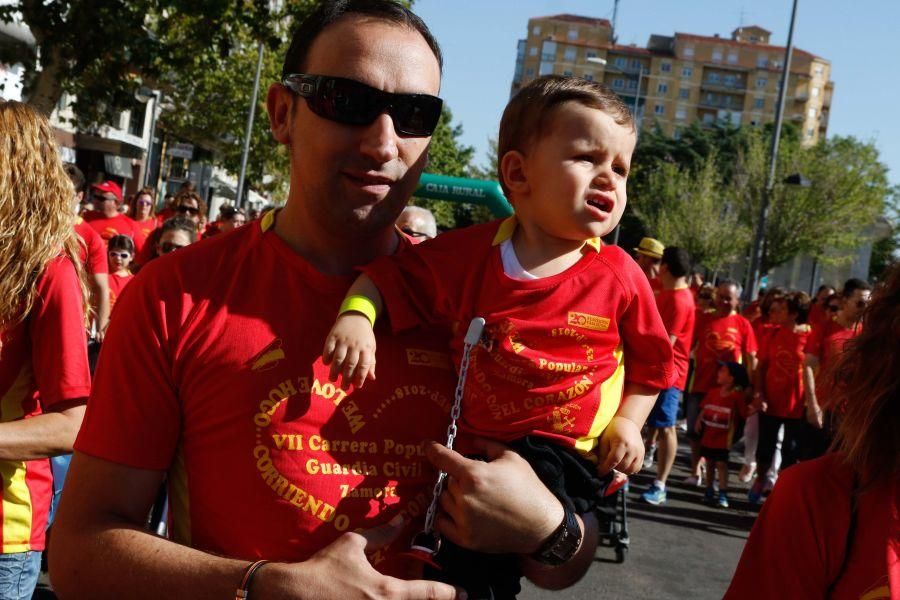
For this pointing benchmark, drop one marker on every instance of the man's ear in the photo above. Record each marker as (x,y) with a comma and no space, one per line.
(279,105)
(513,169)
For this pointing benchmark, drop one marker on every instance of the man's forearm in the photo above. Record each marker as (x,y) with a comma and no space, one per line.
(809,382)
(42,436)
(565,575)
(119,560)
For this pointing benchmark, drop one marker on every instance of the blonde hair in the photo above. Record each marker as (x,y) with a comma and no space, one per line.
(36,216)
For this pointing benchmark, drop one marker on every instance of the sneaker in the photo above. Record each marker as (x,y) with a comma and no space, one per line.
(723,500)
(693,481)
(747,472)
(648,458)
(755,498)
(681,426)
(655,495)
(768,485)
(710,495)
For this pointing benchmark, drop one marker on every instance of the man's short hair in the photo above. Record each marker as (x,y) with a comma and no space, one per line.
(853,284)
(677,260)
(737,286)
(331,11)
(529,111)
(76,176)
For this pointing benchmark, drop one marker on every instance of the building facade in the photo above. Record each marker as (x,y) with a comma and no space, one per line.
(677,80)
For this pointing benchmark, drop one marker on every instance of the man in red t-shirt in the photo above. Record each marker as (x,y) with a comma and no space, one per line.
(822,350)
(676,307)
(724,336)
(93,256)
(106,218)
(266,459)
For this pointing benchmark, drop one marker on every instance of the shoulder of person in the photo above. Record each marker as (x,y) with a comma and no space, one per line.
(825,477)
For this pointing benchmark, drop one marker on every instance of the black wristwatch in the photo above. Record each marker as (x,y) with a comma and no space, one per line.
(562,544)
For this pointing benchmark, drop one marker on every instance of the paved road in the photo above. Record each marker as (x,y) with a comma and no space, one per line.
(682,549)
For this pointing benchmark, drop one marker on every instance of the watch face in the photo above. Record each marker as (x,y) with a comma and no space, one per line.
(564,542)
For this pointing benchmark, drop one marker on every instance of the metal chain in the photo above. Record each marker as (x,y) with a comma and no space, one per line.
(473,336)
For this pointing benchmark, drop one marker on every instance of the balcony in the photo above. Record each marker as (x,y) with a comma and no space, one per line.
(735,88)
(801,96)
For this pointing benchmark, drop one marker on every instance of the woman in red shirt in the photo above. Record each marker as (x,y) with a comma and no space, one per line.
(779,386)
(831,528)
(143,211)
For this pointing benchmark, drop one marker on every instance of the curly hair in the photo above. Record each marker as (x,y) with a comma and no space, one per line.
(867,389)
(36,216)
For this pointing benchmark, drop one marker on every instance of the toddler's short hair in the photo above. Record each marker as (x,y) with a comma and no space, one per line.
(527,113)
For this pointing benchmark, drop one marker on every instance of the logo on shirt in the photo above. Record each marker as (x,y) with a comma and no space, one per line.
(417,357)
(586,321)
(270,356)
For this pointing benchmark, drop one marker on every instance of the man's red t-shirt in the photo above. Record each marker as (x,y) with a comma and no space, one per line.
(555,364)
(826,343)
(266,457)
(782,355)
(677,309)
(43,361)
(93,249)
(117,283)
(818,315)
(718,414)
(720,339)
(117,225)
(799,541)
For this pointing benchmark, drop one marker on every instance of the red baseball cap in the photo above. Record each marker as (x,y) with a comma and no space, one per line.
(111,187)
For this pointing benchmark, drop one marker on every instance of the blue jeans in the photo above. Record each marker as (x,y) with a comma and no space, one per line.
(19,574)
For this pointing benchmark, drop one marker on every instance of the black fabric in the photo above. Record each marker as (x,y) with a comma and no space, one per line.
(714,455)
(768,440)
(570,476)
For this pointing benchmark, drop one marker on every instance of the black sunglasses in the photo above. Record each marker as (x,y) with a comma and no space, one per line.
(167,247)
(353,103)
(413,232)
(188,209)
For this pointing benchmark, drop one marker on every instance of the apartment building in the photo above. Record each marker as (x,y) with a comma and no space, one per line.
(683,78)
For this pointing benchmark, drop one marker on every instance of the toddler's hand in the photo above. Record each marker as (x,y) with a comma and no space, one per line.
(350,350)
(621,447)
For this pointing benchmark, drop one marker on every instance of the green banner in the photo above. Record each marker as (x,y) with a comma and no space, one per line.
(459,189)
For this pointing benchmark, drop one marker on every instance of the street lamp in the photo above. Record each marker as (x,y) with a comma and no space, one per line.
(144,95)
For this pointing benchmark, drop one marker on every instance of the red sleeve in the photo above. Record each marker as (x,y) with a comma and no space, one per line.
(422,284)
(648,352)
(814,342)
(133,416)
(97,261)
(58,340)
(797,544)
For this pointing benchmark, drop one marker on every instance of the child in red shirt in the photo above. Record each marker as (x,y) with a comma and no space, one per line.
(716,425)
(563,312)
(121,253)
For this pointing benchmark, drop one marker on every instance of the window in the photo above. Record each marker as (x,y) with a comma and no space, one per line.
(529,72)
(708,118)
(632,84)
(546,68)
(810,132)
(590,54)
(819,69)
(532,51)
(665,67)
(687,72)
(713,78)
(711,99)
(567,73)
(762,60)
(520,50)
(662,88)
(717,56)
(689,51)
(762,82)
(759,103)
(729,80)
(618,84)
(680,113)
(63,101)
(536,30)
(659,109)
(684,93)
(589,76)
(732,58)
(811,113)
(548,51)
(635,63)
(814,92)
(573,34)
(620,62)
(570,54)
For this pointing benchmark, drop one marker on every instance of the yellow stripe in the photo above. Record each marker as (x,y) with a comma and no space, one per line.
(267,221)
(508,227)
(877,594)
(16,496)
(179,501)
(610,399)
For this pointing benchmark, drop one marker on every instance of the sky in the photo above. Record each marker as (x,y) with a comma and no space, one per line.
(861,39)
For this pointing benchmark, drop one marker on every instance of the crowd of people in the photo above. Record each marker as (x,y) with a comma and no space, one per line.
(292,471)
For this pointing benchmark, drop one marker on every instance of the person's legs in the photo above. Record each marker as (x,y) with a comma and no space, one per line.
(765,451)
(751,440)
(722,472)
(790,446)
(667,449)
(662,419)
(19,574)
(692,412)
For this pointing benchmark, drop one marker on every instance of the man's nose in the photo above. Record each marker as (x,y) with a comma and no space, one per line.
(380,139)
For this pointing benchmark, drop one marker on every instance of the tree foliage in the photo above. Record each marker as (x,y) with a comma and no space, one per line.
(827,220)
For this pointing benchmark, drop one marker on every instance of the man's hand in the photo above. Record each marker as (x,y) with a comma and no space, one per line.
(341,570)
(350,350)
(621,447)
(495,506)
(759,403)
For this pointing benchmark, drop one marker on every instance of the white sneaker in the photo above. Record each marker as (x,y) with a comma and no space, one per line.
(747,472)
(648,457)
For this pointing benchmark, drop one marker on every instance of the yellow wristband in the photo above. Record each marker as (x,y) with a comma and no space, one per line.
(360,304)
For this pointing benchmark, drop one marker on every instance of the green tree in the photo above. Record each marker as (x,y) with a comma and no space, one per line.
(886,251)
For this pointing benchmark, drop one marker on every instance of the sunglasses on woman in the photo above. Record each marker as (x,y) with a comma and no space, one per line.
(353,103)
(188,209)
